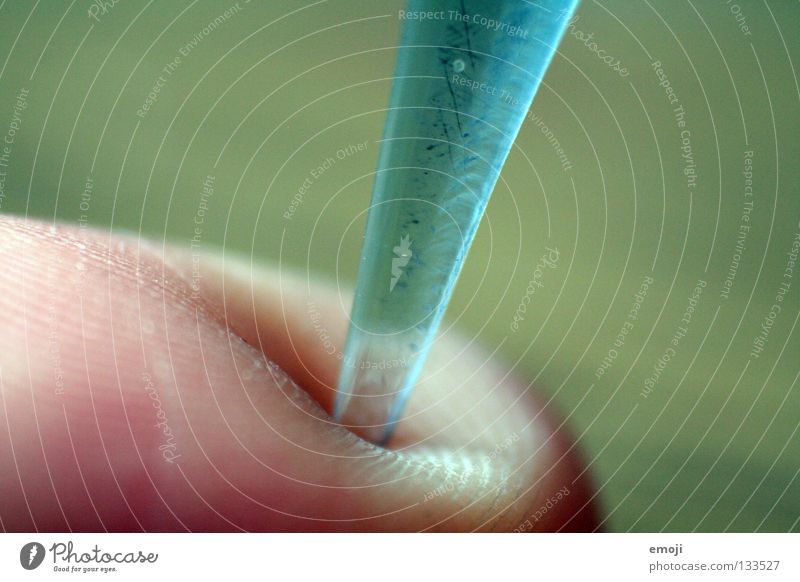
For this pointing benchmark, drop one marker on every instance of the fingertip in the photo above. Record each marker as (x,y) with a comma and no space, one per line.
(136,399)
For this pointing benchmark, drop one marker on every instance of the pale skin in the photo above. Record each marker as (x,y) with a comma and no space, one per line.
(131,402)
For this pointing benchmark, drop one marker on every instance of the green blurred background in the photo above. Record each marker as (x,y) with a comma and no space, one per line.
(273,89)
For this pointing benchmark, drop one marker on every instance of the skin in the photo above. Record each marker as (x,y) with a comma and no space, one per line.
(130,401)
